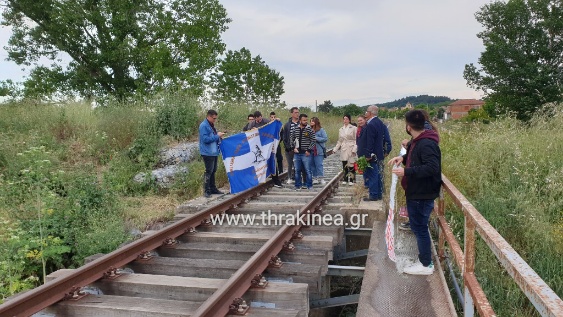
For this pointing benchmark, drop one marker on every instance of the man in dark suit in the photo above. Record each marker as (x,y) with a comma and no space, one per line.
(374,144)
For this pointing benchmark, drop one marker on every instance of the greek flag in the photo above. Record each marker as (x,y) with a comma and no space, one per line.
(250,156)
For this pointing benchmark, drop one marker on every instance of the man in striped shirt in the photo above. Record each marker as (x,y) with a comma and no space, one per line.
(302,141)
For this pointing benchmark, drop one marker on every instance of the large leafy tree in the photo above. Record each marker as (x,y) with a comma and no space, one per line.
(116,47)
(326,106)
(242,78)
(522,65)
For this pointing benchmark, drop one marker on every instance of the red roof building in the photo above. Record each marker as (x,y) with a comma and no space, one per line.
(460,108)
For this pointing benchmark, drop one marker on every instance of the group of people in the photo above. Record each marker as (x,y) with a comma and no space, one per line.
(304,142)
(305,149)
(369,139)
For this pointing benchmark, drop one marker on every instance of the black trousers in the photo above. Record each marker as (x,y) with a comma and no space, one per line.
(209,176)
(279,160)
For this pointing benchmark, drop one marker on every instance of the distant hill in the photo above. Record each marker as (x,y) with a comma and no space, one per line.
(416,100)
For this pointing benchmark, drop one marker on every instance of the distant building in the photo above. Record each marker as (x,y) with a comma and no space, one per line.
(460,108)
(408,106)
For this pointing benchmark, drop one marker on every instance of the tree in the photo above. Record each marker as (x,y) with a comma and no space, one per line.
(326,106)
(522,65)
(116,47)
(477,115)
(351,109)
(242,78)
(9,89)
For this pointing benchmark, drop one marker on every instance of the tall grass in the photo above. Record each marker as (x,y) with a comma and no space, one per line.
(512,173)
(66,179)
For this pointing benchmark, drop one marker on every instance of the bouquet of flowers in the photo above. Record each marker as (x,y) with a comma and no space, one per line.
(361,165)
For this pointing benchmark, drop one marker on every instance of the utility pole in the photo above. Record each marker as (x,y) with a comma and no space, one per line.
(315,105)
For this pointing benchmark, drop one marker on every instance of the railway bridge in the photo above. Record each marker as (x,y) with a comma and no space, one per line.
(283,257)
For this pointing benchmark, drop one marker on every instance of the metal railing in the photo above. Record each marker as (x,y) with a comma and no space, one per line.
(544,299)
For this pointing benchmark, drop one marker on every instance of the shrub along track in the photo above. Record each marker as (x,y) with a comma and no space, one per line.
(192,268)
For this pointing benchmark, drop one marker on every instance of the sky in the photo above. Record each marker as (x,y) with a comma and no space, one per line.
(358,51)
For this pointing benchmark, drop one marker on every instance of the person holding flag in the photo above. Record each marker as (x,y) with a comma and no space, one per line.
(209,140)
(250,156)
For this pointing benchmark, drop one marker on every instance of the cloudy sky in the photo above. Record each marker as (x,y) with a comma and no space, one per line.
(358,51)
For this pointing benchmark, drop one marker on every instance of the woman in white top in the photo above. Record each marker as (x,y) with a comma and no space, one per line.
(347,146)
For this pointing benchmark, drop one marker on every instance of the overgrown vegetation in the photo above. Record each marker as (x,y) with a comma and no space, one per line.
(66,179)
(66,188)
(511,172)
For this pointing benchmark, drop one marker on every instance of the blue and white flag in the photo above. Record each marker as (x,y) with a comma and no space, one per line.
(250,156)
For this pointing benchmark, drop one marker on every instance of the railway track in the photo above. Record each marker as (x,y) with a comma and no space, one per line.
(193,267)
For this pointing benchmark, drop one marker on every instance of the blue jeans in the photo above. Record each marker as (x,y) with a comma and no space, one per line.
(317,165)
(301,161)
(374,182)
(419,213)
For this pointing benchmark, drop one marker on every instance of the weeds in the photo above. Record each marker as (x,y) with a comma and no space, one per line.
(67,171)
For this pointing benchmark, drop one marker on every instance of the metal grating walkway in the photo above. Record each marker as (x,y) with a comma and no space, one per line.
(387,292)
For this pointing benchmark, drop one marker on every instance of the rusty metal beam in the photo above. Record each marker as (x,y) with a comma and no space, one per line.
(239,283)
(441,211)
(54,291)
(545,300)
(452,242)
(479,298)
(469,246)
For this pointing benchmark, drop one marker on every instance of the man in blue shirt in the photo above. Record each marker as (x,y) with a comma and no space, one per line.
(209,140)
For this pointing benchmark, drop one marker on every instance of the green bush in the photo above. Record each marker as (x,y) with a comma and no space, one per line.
(176,114)
(50,218)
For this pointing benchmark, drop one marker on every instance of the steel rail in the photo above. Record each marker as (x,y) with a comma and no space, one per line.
(545,300)
(48,294)
(240,282)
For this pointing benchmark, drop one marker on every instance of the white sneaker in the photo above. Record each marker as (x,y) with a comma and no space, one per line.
(289,181)
(419,269)
(405,226)
(350,183)
(344,182)
(316,181)
(323,182)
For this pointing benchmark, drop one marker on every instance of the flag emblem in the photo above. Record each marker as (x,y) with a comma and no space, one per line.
(250,156)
